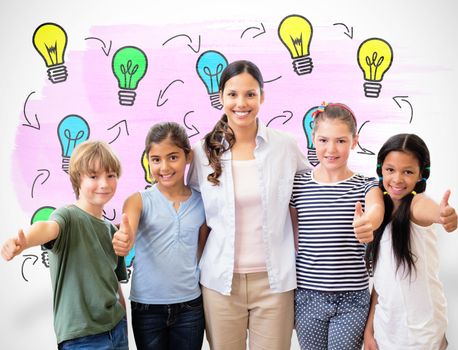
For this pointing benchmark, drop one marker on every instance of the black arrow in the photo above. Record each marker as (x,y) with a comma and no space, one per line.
(118,124)
(108,218)
(27,257)
(27,119)
(106,52)
(403,98)
(348,32)
(41,172)
(188,37)
(364,150)
(282,116)
(272,80)
(195,130)
(162,93)
(262,31)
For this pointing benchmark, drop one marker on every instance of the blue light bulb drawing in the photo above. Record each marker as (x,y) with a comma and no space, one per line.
(209,67)
(308,124)
(71,131)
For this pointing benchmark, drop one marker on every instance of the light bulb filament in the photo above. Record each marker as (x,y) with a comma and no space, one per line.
(126,71)
(71,144)
(213,76)
(373,65)
(52,53)
(298,45)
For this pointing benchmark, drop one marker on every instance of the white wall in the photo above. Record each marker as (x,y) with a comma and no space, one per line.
(423,36)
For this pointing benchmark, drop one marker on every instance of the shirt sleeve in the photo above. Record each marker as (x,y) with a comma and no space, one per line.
(302,162)
(62,217)
(371,182)
(193,172)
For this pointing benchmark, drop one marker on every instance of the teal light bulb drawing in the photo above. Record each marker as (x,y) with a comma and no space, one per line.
(71,131)
(209,67)
(308,124)
(129,66)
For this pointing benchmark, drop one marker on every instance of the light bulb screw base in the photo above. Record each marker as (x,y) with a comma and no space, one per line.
(126,97)
(57,74)
(65,164)
(372,89)
(216,103)
(303,65)
(311,156)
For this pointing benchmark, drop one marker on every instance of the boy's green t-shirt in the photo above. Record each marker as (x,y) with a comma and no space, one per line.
(84,272)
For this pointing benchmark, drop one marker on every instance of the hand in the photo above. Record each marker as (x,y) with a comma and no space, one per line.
(122,238)
(364,232)
(448,217)
(14,246)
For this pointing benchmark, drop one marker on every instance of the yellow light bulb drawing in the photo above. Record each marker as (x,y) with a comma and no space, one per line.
(50,40)
(145,166)
(295,33)
(374,58)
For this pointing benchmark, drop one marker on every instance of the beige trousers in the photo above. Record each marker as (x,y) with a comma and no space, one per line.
(268,316)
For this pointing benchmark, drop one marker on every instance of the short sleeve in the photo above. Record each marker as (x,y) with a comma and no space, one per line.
(371,182)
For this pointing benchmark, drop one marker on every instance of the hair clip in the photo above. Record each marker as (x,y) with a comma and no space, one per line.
(414,193)
(380,178)
(319,109)
(379,165)
(385,193)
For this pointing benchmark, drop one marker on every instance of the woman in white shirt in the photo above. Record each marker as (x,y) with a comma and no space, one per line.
(245,173)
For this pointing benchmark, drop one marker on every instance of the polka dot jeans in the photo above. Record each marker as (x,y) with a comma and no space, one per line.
(331,320)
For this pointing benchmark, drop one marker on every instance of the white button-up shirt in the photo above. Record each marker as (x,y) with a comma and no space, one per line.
(278,158)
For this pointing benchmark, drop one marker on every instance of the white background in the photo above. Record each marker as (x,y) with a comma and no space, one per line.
(428,29)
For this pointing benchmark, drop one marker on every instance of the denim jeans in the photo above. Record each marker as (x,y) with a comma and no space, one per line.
(116,339)
(168,326)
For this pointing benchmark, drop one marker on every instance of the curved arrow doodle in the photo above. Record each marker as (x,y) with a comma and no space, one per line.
(28,257)
(108,218)
(186,36)
(262,31)
(162,93)
(364,150)
(348,32)
(25,115)
(119,129)
(272,80)
(403,98)
(41,172)
(192,126)
(282,116)
(106,52)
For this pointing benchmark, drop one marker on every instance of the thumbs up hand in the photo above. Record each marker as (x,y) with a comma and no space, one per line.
(364,232)
(122,239)
(448,217)
(14,246)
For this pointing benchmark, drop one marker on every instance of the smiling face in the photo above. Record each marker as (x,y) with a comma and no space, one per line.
(241,99)
(167,163)
(333,141)
(400,172)
(96,189)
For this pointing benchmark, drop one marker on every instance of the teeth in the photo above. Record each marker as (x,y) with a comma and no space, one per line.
(241,114)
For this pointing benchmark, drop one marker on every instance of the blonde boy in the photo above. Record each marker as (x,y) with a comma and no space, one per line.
(89,308)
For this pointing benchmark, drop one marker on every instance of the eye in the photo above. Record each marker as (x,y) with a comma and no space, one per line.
(154,160)
(342,141)
(251,94)
(112,175)
(173,157)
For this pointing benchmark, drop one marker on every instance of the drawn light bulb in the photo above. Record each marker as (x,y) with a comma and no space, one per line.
(145,166)
(295,33)
(50,40)
(71,131)
(308,124)
(129,66)
(374,58)
(209,67)
(43,214)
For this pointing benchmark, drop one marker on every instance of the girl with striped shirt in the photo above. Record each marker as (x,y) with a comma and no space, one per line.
(334,212)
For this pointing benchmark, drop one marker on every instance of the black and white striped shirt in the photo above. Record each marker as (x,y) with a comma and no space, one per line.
(329,256)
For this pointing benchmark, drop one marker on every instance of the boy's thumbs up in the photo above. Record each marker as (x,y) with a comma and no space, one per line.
(448,217)
(124,227)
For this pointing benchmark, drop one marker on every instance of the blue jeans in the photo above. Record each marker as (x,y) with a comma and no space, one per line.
(331,320)
(169,326)
(116,339)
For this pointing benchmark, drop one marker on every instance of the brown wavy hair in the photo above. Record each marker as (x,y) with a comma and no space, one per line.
(214,141)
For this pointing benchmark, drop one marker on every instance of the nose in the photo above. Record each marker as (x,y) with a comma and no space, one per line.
(164,165)
(241,101)
(397,177)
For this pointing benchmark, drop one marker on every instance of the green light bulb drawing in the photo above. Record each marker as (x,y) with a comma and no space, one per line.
(129,67)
